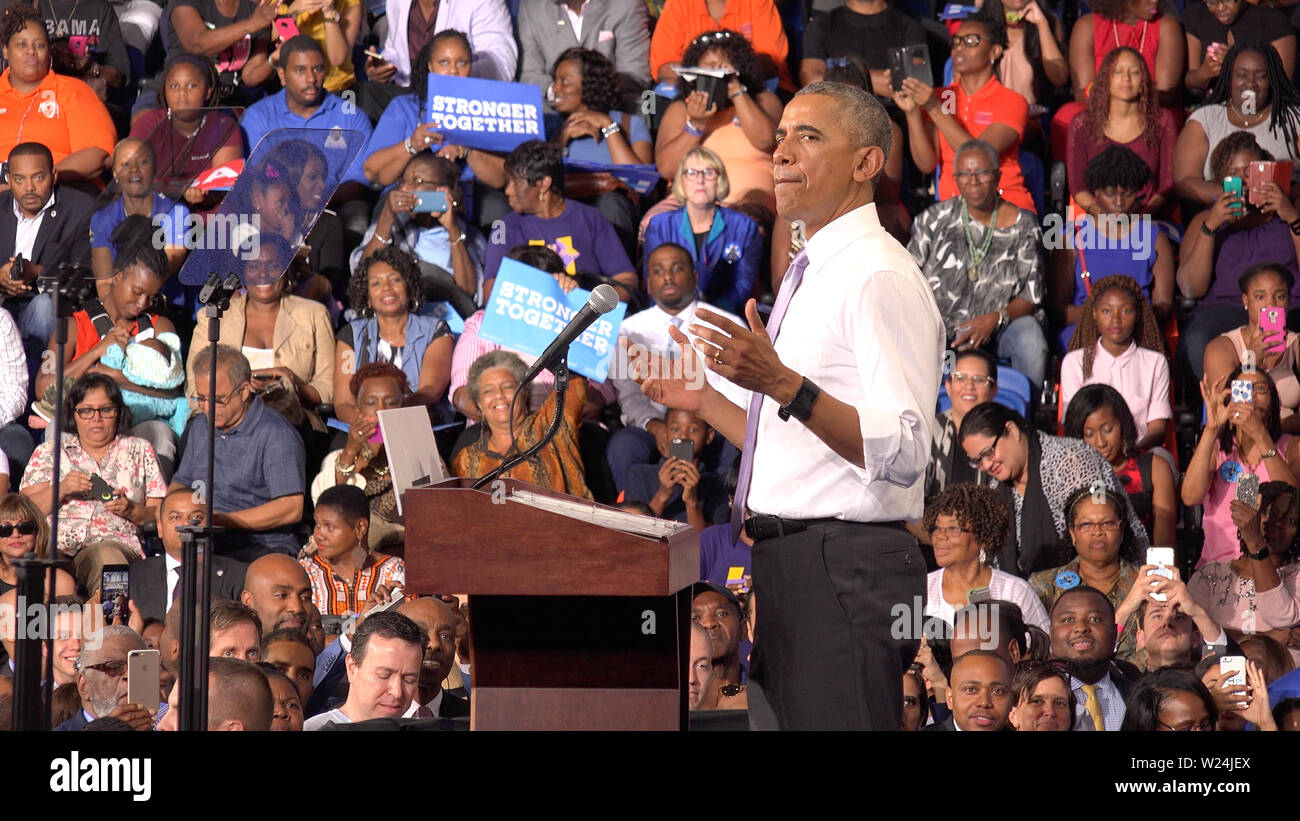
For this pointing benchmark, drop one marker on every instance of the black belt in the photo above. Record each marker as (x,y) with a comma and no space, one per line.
(775,527)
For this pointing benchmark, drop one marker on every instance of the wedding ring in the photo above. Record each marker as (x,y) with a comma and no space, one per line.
(717,358)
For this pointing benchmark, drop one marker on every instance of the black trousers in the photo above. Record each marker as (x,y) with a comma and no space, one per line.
(824,655)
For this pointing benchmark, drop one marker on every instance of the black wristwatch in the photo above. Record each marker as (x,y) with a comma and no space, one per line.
(801,406)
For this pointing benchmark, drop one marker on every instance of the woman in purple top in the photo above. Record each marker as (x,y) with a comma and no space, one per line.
(1221,243)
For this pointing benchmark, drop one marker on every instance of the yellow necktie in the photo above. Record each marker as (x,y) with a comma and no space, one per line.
(1093,706)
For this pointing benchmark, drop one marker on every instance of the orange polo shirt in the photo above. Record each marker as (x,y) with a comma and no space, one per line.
(683,20)
(993,103)
(62,113)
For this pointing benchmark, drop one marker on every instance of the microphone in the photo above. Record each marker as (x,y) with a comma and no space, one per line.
(603,300)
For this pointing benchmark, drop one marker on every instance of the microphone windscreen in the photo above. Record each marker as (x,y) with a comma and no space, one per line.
(603,299)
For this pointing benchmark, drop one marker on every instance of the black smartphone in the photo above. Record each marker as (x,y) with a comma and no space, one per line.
(100,490)
(910,61)
(114,587)
(17,270)
(683,449)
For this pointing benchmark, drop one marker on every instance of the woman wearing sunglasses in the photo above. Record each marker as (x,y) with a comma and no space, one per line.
(1036,474)
(975,106)
(23,530)
(111,484)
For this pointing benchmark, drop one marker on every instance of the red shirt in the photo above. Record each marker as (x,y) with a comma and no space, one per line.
(993,103)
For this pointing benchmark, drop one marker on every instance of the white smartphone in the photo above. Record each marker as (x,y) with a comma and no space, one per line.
(142,678)
(1163,558)
(1232,671)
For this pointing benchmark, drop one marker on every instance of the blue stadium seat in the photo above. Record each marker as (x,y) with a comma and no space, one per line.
(1013,391)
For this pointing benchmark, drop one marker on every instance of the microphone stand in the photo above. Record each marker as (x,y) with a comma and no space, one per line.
(561,371)
(198,542)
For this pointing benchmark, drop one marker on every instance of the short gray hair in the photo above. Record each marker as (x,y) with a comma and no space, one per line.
(95,643)
(990,153)
(500,358)
(232,361)
(860,113)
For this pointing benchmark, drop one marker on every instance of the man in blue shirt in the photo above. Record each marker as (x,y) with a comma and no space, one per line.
(304,103)
(259,466)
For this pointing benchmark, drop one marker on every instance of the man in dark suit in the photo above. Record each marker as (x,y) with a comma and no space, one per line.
(47,224)
(155,582)
(440,621)
(1083,634)
(980,694)
(101,682)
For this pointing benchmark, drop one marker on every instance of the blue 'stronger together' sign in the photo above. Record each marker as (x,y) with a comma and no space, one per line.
(486,114)
(528,310)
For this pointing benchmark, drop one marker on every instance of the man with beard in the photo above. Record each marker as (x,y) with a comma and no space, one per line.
(717,610)
(672,283)
(437,618)
(278,589)
(1083,634)
(101,681)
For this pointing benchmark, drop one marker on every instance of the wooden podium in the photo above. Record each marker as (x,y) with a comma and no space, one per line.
(574,625)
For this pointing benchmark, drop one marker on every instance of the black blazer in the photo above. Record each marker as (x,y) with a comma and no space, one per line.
(148,584)
(64,235)
(946,726)
(453,706)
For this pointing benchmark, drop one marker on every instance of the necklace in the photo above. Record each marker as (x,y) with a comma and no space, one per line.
(1141,43)
(23,123)
(1246,117)
(66,21)
(977,255)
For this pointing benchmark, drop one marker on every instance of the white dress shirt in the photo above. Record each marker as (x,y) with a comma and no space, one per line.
(575,18)
(27,228)
(649,328)
(13,371)
(864,326)
(1112,705)
(173,578)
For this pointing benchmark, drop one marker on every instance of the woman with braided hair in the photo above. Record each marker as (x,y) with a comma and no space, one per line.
(1118,343)
(1254,93)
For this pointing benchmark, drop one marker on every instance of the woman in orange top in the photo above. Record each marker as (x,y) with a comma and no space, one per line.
(975,106)
(681,21)
(36,105)
(741,133)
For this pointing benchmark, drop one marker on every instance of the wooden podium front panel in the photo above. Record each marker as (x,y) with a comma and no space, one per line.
(496,708)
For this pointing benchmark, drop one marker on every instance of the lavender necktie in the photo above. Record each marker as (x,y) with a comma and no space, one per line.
(789,284)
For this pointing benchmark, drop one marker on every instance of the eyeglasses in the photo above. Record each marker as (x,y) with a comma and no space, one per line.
(709,174)
(949,531)
(983,175)
(106,412)
(985,454)
(222,401)
(967,40)
(1109,526)
(24,529)
(113,669)
(1204,727)
(973,378)
(712,37)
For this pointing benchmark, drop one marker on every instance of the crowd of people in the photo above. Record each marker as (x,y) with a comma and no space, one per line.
(1101,204)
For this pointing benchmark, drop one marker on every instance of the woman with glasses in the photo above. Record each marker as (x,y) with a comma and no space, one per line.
(981,255)
(975,106)
(23,529)
(972,381)
(1210,24)
(740,131)
(509,428)
(1242,436)
(1036,474)
(684,23)
(110,483)
(1258,590)
(1100,416)
(967,525)
(1042,698)
(725,245)
(1106,557)
(1171,699)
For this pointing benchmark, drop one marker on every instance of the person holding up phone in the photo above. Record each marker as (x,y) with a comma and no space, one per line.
(1239,437)
(1265,294)
(1223,244)
(679,487)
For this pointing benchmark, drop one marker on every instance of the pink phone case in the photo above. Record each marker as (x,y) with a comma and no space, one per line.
(286,28)
(1272,322)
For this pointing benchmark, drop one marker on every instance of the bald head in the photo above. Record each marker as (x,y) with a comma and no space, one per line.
(277,588)
(441,622)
